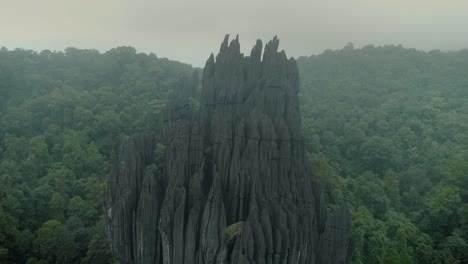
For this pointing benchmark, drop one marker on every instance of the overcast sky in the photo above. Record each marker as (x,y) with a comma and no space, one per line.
(189,31)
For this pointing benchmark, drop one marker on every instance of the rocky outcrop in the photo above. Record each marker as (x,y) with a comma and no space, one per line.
(234,185)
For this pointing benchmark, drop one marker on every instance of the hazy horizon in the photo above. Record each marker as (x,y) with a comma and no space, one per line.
(189,32)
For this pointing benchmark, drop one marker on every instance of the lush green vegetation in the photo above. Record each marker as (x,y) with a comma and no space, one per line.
(388,132)
(386,129)
(233,231)
(63,116)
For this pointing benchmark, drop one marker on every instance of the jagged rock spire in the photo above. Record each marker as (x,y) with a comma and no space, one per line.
(238,163)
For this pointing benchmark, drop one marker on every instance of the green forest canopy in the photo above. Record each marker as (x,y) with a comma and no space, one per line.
(386,129)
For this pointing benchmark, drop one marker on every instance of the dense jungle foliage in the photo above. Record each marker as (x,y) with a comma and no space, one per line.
(386,129)
(63,116)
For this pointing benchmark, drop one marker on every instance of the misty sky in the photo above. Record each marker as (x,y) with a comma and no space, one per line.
(189,31)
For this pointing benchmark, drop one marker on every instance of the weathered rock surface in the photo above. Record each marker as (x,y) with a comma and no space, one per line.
(235,185)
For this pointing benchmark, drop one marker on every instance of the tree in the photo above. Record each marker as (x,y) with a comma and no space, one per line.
(54,242)
(99,248)
(78,207)
(57,206)
(443,206)
(25,240)
(327,177)
(8,232)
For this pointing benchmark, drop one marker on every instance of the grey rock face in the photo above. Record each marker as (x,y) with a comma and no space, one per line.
(235,185)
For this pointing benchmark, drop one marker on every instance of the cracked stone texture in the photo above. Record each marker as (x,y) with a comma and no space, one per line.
(238,158)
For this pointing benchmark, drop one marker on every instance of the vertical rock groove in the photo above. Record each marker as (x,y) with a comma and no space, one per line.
(235,184)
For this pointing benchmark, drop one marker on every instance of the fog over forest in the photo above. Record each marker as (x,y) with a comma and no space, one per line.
(196,132)
(188,30)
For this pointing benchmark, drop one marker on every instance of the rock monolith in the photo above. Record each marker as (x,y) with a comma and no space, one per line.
(234,183)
